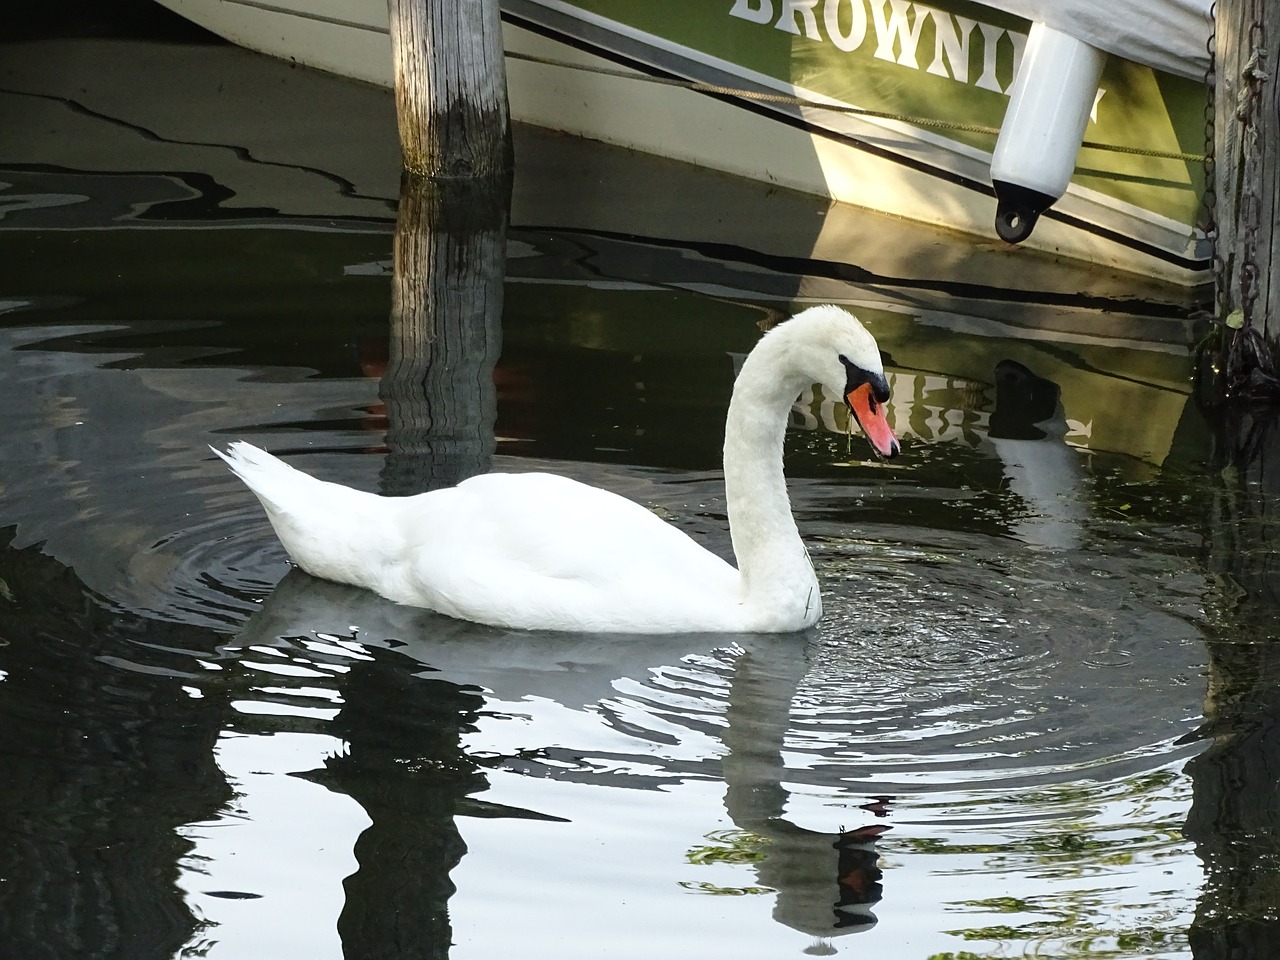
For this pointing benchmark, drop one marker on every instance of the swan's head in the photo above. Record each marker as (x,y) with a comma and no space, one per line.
(845,359)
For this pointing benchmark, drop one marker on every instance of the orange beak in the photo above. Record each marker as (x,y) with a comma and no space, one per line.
(869,413)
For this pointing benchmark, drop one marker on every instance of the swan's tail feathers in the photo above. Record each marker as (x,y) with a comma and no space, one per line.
(329,530)
(269,477)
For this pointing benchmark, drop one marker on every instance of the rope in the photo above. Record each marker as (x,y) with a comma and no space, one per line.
(792,100)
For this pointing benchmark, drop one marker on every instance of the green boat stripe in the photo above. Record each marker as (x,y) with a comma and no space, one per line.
(569,31)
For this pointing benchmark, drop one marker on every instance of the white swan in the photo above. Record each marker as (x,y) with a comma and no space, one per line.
(542,552)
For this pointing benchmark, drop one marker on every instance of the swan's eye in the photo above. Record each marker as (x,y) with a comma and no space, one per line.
(856,377)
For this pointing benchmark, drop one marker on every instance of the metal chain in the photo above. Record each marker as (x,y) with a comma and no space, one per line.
(1217,265)
(1248,105)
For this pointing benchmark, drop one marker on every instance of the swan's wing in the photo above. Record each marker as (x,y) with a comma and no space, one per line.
(539,550)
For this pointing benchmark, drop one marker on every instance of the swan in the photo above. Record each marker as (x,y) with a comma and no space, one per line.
(537,551)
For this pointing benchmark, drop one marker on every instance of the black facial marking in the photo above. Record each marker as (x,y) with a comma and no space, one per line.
(855,377)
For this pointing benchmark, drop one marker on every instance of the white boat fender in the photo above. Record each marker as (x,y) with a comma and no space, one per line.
(1049,106)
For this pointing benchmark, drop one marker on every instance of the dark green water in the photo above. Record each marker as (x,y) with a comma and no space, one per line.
(1037,719)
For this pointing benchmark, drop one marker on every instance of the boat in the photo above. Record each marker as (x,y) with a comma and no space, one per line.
(961,115)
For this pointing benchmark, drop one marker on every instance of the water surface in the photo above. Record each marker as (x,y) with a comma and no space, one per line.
(988,747)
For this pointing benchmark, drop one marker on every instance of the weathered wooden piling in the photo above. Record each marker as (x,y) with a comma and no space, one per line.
(451,88)
(450,243)
(1246,185)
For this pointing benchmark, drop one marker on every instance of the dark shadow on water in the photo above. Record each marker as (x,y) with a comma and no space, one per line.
(1235,818)
(102,763)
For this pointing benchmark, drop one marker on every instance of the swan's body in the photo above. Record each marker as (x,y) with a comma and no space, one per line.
(539,551)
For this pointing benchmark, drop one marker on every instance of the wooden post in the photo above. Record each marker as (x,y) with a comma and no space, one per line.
(1246,179)
(446,332)
(451,88)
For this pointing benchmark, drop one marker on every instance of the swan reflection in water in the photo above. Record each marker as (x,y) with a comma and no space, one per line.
(825,883)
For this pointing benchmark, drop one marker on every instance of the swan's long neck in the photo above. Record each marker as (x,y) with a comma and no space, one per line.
(777,576)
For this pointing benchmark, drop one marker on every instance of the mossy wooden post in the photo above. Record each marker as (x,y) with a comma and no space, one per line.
(451,88)
(1246,180)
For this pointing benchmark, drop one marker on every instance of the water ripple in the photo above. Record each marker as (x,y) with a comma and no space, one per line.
(945,662)
(221,567)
